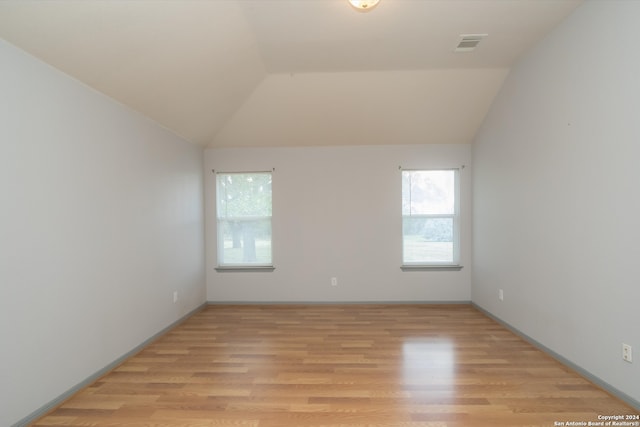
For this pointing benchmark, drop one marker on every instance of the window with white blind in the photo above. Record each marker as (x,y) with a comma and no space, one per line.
(244,219)
(430,218)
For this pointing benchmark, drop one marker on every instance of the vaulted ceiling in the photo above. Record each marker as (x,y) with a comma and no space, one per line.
(289,72)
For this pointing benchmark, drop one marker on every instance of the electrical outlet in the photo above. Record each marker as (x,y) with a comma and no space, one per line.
(334,281)
(500,294)
(627,354)
(175,297)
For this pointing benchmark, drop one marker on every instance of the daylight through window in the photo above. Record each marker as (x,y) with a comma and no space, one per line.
(244,219)
(430,219)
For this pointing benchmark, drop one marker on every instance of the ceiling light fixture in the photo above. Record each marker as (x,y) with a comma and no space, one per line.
(364,5)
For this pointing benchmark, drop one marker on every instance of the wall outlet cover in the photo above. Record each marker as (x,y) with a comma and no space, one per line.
(627,353)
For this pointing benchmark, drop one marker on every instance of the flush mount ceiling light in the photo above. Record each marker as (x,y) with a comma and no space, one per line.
(364,5)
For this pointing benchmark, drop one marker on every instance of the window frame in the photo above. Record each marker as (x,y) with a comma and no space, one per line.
(220,221)
(455,217)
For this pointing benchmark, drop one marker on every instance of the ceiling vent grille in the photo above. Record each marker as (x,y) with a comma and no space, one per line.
(468,42)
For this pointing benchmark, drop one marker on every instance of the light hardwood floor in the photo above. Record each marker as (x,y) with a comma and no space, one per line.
(338,365)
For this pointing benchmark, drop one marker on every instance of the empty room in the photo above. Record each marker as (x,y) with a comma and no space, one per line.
(310,213)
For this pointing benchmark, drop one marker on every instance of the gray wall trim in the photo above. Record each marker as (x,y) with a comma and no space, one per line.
(338,302)
(579,370)
(43,410)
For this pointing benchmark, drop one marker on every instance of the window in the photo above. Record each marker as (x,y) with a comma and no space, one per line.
(244,219)
(430,218)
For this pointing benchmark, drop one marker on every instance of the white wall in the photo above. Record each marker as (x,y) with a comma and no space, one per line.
(101,219)
(337,213)
(555,196)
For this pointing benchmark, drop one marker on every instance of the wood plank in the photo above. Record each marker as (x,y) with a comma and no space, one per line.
(337,365)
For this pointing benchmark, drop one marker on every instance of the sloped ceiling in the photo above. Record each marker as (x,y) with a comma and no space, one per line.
(289,72)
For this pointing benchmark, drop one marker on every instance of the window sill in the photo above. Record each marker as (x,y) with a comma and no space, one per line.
(431,267)
(244,268)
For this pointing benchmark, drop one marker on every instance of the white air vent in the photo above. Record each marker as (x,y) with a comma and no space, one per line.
(469,42)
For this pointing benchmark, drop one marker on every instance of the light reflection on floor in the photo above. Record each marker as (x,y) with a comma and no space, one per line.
(429,362)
